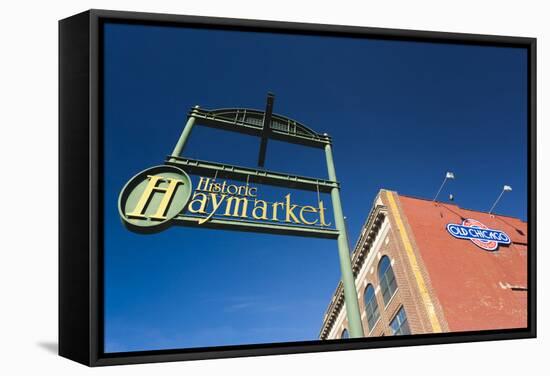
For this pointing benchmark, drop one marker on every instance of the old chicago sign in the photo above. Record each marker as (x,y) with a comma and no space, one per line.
(479,234)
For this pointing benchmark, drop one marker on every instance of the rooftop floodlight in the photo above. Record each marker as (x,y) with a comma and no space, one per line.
(506,188)
(448,175)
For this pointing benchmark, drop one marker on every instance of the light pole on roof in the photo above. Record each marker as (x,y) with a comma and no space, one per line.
(448,175)
(506,188)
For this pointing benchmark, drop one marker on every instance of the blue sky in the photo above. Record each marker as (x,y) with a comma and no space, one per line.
(400,114)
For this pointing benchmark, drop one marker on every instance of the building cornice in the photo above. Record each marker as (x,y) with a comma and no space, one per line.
(362,248)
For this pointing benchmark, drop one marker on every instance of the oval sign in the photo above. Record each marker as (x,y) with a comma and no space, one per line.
(479,234)
(153,197)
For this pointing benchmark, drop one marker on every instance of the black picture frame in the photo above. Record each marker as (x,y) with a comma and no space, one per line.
(80,188)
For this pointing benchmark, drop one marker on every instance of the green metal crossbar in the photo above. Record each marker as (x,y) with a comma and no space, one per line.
(226,171)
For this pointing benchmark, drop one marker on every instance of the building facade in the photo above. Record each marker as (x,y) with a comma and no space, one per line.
(414,276)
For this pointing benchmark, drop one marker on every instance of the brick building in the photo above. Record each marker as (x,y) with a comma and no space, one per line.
(414,276)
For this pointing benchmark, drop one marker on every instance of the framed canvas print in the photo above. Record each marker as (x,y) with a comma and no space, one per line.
(238,187)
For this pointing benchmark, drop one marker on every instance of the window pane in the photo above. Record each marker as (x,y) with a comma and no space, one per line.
(405,328)
(371,306)
(399,325)
(345,334)
(388,284)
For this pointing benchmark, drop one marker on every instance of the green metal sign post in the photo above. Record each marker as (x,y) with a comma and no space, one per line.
(267,125)
(348,280)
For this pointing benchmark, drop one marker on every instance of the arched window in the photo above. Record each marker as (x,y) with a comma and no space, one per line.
(371,306)
(399,325)
(344,334)
(388,285)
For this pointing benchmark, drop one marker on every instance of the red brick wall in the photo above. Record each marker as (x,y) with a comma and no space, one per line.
(468,280)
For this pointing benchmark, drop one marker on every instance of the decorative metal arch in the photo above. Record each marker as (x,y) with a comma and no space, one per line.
(251,122)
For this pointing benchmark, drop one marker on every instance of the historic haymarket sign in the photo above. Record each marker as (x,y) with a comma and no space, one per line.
(213,198)
(479,234)
(159,194)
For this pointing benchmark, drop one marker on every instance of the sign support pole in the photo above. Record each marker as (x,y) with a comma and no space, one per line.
(184,135)
(348,280)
